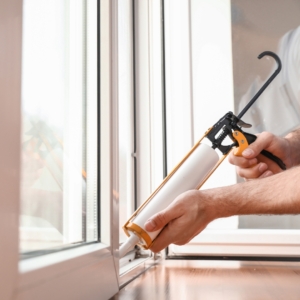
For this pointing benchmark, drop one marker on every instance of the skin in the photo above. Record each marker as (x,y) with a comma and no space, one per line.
(278,194)
(253,165)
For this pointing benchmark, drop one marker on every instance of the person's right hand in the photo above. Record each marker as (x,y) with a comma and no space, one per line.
(253,165)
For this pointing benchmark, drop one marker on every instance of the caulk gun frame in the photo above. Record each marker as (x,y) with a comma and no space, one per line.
(276,72)
(228,126)
(230,123)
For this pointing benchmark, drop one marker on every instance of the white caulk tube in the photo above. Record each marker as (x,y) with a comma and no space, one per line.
(188,175)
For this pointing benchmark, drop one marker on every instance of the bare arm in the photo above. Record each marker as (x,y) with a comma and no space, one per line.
(190,213)
(278,194)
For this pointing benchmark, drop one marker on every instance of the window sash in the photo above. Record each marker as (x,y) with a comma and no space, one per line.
(57,275)
(242,243)
(142,86)
(222,236)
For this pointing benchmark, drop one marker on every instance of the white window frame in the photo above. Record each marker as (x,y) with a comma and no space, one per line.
(147,89)
(212,241)
(89,271)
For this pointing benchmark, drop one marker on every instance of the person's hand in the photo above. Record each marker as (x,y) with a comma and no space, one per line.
(253,165)
(183,219)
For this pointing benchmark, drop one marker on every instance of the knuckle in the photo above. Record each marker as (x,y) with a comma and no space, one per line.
(249,173)
(182,242)
(161,218)
(240,172)
(243,163)
(231,159)
(266,135)
(244,174)
(240,162)
(236,161)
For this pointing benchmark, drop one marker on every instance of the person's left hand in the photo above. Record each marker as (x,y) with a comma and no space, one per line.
(182,220)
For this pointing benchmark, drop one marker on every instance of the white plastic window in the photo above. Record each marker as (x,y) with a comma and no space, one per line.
(207,46)
(59,141)
(59,119)
(140,111)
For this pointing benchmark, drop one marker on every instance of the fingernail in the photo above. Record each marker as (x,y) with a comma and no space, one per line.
(150,225)
(262,168)
(248,152)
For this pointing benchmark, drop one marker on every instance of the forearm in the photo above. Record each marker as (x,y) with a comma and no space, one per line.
(294,150)
(278,194)
(191,211)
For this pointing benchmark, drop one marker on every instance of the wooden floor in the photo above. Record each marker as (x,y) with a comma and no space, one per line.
(216,280)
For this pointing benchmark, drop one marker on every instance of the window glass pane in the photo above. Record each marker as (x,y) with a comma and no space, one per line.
(59,124)
(226,38)
(140,111)
(199,85)
(256,28)
(213,82)
(211,67)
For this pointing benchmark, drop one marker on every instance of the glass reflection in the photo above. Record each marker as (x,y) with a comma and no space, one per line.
(258,26)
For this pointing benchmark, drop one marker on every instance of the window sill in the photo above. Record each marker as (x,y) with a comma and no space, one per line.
(42,268)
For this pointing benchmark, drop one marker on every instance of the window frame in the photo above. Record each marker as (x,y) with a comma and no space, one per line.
(57,275)
(226,243)
(146,79)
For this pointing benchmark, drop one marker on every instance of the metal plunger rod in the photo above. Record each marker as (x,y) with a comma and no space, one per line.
(269,53)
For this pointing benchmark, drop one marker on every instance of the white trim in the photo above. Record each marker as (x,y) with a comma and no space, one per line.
(142,69)
(91,121)
(147,61)
(45,270)
(43,261)
(155,92)
(143,265)
(92,281)
(149,96)
(105,122)
(126,118)
(242,242)
(129,267)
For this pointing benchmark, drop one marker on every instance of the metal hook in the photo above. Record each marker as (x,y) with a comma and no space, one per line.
(269,53)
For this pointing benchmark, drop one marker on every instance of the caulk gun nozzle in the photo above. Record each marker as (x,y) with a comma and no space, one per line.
(128,245)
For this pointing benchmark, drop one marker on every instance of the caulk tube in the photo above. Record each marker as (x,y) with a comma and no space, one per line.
(189,174)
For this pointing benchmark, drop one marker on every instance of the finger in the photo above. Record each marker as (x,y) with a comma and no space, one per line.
(272,166)
(162,218)
(241,161)
(262,142)
(163,240)
(176,232)
(253,172)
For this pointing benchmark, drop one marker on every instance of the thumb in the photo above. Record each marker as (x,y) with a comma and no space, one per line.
(263,141)
(160,219)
